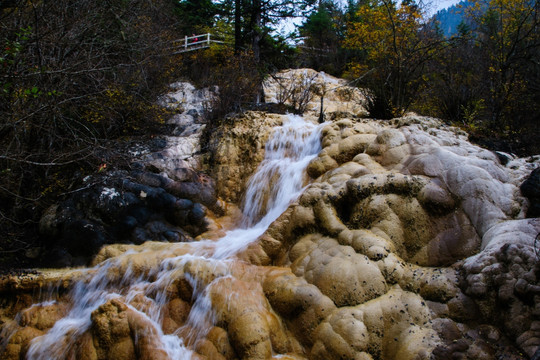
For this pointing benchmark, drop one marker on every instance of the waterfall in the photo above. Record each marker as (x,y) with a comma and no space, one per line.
(278,181)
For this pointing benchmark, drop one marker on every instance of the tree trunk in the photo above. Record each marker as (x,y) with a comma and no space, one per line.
(237,26)
(256,30)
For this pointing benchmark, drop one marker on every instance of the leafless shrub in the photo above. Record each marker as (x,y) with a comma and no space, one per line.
(298,91)
(236,76)
(74,73)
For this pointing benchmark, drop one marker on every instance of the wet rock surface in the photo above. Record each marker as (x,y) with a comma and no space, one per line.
(163,197)
(414,210)
(237,148)
(408,243)
(127,207)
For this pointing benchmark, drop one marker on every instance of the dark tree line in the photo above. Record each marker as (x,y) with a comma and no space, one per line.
(251,23)
(74,74)
(248,26)
(491,71)
(484,78)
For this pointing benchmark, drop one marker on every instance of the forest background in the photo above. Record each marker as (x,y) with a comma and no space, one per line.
(79,78)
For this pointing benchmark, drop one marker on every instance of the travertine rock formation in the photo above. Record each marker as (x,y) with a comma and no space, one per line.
(409,243)
(237,149)
(410,208)
(302,90)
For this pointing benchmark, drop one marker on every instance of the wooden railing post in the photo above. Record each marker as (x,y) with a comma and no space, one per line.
(194,42)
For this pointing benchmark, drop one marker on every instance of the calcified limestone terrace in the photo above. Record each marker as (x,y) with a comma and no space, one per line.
(409,243)
(117,308)
(392,204)
(303,88)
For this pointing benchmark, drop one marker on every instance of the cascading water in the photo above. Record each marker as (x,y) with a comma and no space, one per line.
(279,180)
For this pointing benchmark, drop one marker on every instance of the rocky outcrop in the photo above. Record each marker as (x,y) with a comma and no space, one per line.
(237,148)
(302,89)
(409,243)
(531,189)
(163,197)
(408,212)
(127,207)
(183,150)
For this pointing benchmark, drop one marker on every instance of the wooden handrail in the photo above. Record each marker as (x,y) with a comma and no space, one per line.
(203,41)
(195,42)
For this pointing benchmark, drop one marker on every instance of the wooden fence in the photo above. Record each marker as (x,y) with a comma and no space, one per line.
(195,42)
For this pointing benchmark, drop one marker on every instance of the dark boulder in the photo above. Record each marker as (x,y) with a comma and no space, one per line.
(504,158)
(154,197)
(531,190)
(126,207)
(82,237)
(197,214)
(139,236)
(150,179)
(141,213)
(183,204)
(202,192)
(130,199)
(126,224)
(58,257)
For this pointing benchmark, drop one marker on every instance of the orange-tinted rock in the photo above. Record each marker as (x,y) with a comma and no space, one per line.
(84,348)
(110,327)
(19,343)
(145,336)
(349,271)
(250,336)
(220,339)
(207,348)
(42,317)
(178,310)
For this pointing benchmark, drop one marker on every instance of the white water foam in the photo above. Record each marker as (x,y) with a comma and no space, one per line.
(278,181)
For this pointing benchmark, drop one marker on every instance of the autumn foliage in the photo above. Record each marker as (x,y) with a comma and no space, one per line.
(396,46)
(484,78)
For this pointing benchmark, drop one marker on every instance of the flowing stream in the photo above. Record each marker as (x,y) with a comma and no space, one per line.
(278,181)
